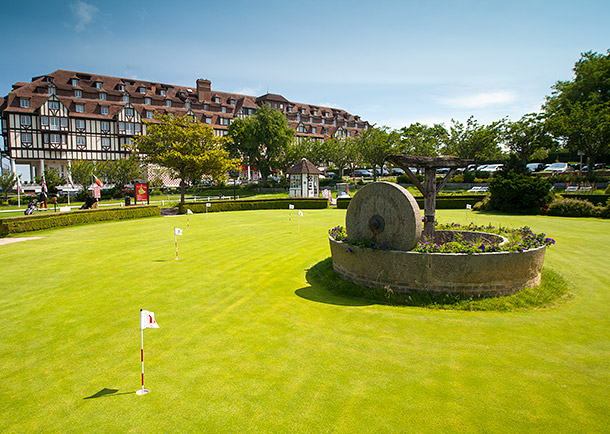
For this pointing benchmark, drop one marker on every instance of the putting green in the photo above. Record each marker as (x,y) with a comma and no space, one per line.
(246,344)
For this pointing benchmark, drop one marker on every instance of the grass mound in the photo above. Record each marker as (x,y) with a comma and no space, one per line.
(552,291)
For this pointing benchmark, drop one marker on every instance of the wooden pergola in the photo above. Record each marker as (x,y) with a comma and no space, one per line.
(430,189)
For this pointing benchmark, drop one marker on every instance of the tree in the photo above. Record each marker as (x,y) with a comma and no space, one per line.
(52,179)
(81,171)
(121,172)
(473,141)
(186,147)
(578,111)
(341,151)
(527,137)
(7,182)
(375,145)
(312,149)
(261,140)
(422,140)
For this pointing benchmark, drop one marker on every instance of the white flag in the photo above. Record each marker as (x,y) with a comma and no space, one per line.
(468,206)
(147,320)
(300,213)
(291,206)
(177,231)
(208,204)
(188,211)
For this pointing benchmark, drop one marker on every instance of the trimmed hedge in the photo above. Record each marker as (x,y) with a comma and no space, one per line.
(595,199)
(243,205)
(577,208)
(36,222)
(452,202)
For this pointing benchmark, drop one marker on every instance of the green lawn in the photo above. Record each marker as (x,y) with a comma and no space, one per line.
(246,344)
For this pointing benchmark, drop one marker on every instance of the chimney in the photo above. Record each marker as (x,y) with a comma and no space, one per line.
(203,86)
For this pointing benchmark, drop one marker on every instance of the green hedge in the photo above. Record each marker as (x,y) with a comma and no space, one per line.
(242,205)
(453,202)
(595,199)
(36,222)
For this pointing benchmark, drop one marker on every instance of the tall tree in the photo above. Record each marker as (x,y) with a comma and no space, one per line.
(341,152)
(186,147)
(81,171)
(121,172)
(261,140)
(578,111)
(312,149)
(527,137)
(422,140)
(474,141)
(375,144)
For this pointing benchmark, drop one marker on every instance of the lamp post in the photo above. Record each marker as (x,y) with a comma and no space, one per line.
(234,174)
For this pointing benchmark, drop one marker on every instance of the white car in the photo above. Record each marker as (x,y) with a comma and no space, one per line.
(492,168)
(557,167)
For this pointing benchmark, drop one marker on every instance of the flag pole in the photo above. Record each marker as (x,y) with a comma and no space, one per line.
(142,391)
(176,244)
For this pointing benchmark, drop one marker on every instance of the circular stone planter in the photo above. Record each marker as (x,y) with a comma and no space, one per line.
(480,274)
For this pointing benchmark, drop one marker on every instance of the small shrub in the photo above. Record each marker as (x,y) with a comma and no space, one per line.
(574,208)
(483,205)
(469,177)
(518,193)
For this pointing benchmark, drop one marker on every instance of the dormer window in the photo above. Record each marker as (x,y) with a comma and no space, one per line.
(103,96)
(147,101)
(168,103)
(74,82)
(217,99)
(206,106)
(104,110)
(300,129)
(125,98)
(310,120)
(98,85)
(143,90)
(149,114)
(315,112)
(79,108)
(78,93)
(187,104)
(162,92)
(121,87)
(281,106)
(313,130)
(302,111)
(232,101)
(53,105)
(289,109)
(24,103)
(224,109)
(356,125)
(128,112)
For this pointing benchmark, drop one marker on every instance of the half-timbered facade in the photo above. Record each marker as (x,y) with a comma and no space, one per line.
(66,116)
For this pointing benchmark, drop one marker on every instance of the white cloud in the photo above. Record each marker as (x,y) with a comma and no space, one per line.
(480,100)
(84,14)
(251,91)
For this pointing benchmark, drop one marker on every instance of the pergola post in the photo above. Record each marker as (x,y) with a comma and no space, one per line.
(429,202)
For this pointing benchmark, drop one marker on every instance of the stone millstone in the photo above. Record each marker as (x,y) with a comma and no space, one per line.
(386,213)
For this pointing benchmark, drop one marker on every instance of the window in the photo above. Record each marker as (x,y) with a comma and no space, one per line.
(302,111)
(162,92)
(26,121)
(121,126)
(64,122)
(24,103)
(137,128)
(26,138)
(224,121)
(208,120)
(206,106)
(269,104)
(355,124)
(98,85)
(80,124)
(52,90)
(281,106)
(128,112)
(232,101)
(168,103)
(80,141)
(106,142)
(80,108)
(301,129)
(78,93)
(149,114)
(224,109)
(216,99)
(105,126)
(74,82)
(129,129)
(147,101)
(54,123)
(104,110)
(310,119)
(143,90)
(323,121)
(289,109)
(313,130)
(44,121)
(53,105)
(121,87)
(315,113)
(55,139)
(125,98)
(187,104)
(274,105)
(103,96)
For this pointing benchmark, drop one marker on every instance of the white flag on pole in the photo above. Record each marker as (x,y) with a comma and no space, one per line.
(468,206)
(147,320)
(291,206)
(188,211)
(301,213)
(177,231)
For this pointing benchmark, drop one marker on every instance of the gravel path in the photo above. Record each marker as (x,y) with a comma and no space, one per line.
(4,241)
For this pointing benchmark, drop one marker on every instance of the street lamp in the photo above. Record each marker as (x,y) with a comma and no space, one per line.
(234,174)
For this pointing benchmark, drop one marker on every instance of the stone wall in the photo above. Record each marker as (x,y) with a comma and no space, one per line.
(485,274)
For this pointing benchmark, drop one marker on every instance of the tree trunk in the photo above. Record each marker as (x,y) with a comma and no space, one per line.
(182,189)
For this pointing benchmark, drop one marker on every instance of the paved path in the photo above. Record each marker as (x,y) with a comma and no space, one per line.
(4,241)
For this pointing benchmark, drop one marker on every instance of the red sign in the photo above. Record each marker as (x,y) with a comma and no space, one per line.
(141,192)
(97,192)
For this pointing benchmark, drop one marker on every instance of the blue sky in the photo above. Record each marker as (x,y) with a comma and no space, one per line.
(391,62)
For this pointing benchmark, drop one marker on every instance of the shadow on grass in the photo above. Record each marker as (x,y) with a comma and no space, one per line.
(106,393)
(328,287)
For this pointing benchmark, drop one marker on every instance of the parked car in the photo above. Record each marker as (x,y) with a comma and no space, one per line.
(397,171)
(442,170)
(492,168)
(557,167)
(362,173)
(480,168)
(343,195)
(273,179)
(534,167)
(384,173)
(331,175)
